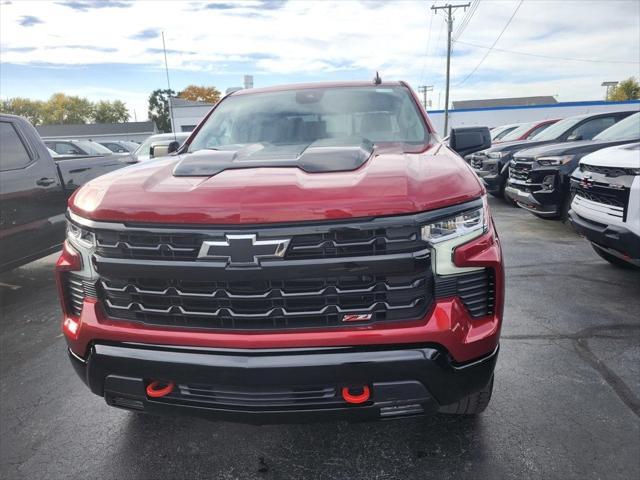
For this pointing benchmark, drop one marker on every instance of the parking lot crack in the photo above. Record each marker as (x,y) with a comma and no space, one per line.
(580,341)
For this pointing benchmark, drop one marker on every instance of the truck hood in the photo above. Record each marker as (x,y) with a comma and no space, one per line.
(581,147)
(514,146)
(388,183)
(621,156)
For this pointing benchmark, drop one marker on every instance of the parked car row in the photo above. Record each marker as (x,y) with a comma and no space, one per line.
(154,146)
(585,169)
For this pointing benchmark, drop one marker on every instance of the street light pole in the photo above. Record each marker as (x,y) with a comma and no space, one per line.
(449,19)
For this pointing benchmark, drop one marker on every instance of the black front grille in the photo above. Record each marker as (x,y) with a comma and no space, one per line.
(617,198)
(270,304)
(520,170)
(476,290)
(607,171)
(518,174)
(477,161)
(333,243)
(611,200)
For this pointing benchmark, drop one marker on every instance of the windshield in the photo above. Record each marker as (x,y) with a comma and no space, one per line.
(516,133)
(557,129)
(301,117)
(93,148)
(145,148)
(627,129)
(499,132)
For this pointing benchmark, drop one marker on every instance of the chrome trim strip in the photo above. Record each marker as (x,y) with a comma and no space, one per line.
(156,248)
(282,293)
(352,244)
(283,311)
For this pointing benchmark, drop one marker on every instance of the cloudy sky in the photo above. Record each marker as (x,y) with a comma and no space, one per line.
(113,49)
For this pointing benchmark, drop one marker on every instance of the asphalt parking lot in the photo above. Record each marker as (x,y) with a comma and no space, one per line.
(566,401)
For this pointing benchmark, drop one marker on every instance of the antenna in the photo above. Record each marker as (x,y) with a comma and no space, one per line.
(166,67)
(377,80)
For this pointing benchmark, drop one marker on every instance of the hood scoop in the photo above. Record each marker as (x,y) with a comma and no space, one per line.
(321,156)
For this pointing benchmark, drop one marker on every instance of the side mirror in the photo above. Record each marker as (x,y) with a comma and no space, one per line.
(173,147)
(467,140)
(158,151)
(574,137)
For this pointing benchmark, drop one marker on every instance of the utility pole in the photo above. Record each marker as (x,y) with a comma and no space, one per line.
(423,89)
(449,10)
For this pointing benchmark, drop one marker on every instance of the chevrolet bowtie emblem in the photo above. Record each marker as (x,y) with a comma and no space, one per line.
(243,249)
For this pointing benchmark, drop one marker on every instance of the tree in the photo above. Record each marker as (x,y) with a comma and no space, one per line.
(628,89)
(159,108)
(25,107)
(110,112)
(61,108)
(200,94)
(64,109)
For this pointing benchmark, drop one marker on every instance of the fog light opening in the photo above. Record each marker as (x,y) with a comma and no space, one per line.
(356,395)
(159,388)
(548,182)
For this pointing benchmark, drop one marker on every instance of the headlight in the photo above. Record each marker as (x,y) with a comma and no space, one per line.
(80,237)
(555,160)
(456,226)
(83,241)
(497,154)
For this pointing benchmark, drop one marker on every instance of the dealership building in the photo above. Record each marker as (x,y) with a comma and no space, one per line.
(99,132)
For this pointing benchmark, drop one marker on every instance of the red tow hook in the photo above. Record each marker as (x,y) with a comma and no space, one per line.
(158,388)
(356,395)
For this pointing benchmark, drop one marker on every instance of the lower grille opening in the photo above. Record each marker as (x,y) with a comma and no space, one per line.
(475,289)
(254,398)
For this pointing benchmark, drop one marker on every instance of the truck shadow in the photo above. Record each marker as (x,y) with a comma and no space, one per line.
(185,448)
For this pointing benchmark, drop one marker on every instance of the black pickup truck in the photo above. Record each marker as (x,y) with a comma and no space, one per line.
(34,190)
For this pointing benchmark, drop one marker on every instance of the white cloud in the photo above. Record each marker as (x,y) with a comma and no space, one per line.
(324,38)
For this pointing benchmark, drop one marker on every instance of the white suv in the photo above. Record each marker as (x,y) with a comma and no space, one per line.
(606,203)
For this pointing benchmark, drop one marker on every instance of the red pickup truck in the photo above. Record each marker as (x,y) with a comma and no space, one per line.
(311,251)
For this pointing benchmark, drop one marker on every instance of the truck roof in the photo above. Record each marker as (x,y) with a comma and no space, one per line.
(301,86)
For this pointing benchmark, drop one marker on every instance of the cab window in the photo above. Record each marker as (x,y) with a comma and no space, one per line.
(13,154)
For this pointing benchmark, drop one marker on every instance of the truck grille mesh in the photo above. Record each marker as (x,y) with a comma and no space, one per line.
(268,304)
(338,243)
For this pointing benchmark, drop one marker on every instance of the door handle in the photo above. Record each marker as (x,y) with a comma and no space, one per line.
(45,182)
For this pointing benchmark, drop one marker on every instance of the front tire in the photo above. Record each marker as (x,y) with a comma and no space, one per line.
(473,404)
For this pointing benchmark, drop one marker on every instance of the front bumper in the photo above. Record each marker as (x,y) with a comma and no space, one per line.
(491,176)
(542,203)
(616,238)
(403,381)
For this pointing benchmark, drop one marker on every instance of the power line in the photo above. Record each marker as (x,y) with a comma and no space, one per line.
(466,20)
(424,63)
(494,44)
(502,50)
